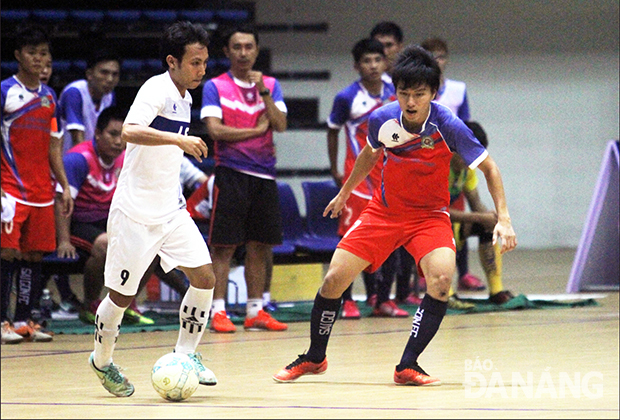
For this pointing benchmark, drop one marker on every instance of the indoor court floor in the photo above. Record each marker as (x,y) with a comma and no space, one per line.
(548,363)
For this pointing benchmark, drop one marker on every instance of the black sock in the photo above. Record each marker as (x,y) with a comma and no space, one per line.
(426,322)
(369,283)
(385,279)
(28,289)
(7,269)
(348,294)
(324,314)
(462,260)
(62,284)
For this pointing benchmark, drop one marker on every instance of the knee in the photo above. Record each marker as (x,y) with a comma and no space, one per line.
(439,286)
(333,285)
(100,247)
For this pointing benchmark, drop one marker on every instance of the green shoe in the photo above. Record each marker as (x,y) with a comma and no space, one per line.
(135,318)
(87,317)
(457,304)
(112,379)
(205,376)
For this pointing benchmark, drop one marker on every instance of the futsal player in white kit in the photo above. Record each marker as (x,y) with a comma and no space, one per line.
(148,216)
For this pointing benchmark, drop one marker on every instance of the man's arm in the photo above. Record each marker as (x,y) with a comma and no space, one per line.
(58,169)
(277,118)
(77,136)
(366,160)
(332,151)
(64,248)
(221,132)
(503,229)
(148,136)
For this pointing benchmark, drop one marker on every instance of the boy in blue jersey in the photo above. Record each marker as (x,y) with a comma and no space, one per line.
(148,215)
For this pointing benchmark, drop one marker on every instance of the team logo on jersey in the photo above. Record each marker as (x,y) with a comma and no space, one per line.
(395,137)
(427,143)
(174,108)
(45,102)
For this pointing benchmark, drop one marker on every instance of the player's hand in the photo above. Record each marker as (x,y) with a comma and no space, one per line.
(256,77)
(66,250)
(66,203)
(504,231)
(336,205)
(194,146)
(262,124)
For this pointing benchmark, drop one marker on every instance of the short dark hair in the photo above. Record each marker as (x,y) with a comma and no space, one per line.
(435,44)
(245,28)
(414,67)
(479,132)
(108,114)
(367,46)
(101,55)
(387,28)
(30,35)
(179,35)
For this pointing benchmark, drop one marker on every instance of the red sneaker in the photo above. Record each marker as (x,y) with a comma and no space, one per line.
(390,309)
(414,375)
(350,310)
(412,300)
(263,321)
(221,323)
(470,282)
(301,366)
(372,301)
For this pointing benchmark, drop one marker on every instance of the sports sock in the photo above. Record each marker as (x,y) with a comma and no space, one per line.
(324,314)
(426,322)
(403,273)
(491,261)
(7,269)
(193,317)
(384,279)
(218,305)
(266,298)
(348,294)
(462,259)
(370,283)
(28,289)
(107,327)
(252,307)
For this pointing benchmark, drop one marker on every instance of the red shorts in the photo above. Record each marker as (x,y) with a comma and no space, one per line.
(34,229)
(351,211)
(376,234)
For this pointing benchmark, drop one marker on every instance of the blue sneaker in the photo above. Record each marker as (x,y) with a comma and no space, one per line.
(112,379)
(205,376)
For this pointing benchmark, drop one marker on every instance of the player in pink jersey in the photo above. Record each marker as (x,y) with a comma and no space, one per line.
(241,109)
(31,154)
(416,139)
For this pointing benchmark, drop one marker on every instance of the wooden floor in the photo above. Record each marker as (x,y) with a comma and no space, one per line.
(569,357)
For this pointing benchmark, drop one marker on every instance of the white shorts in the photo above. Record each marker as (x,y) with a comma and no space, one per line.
(132,246)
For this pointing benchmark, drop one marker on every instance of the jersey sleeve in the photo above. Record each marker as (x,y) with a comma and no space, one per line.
(146,106)
(340,113)
(463,112)
(76,168)
(278,97)
(374,124)
(471,180)
(460,138)
(211,106)
(55,128)
(71,109)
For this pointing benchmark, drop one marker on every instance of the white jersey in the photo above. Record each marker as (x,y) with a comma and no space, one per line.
(78,111)
(148,188)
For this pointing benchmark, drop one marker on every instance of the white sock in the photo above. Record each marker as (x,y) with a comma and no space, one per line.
(193,316)
(252,307)
(218,306)
(266,298)
(107,327)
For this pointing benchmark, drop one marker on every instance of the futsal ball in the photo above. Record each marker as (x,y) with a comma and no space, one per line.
(175,377)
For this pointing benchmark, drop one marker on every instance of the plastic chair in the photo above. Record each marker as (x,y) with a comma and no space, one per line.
(324,230)
(197,15)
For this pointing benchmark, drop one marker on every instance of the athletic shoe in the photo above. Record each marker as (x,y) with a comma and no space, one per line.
(87,316)
(112,379)
(205,376)
(411,300)
(301,366)
(470,282)
(501,297)
(31,331)
(264,321)
(270,306)
(372,301)
(350,310)
(133,316)
(390,309)
(455,303)
(221,323)
(9,336)
(414,375)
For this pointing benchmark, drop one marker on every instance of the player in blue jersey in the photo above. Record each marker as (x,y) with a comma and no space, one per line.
(415,138)
(148,216)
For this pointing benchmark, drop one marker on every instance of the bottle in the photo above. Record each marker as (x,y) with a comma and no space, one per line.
(45,305)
